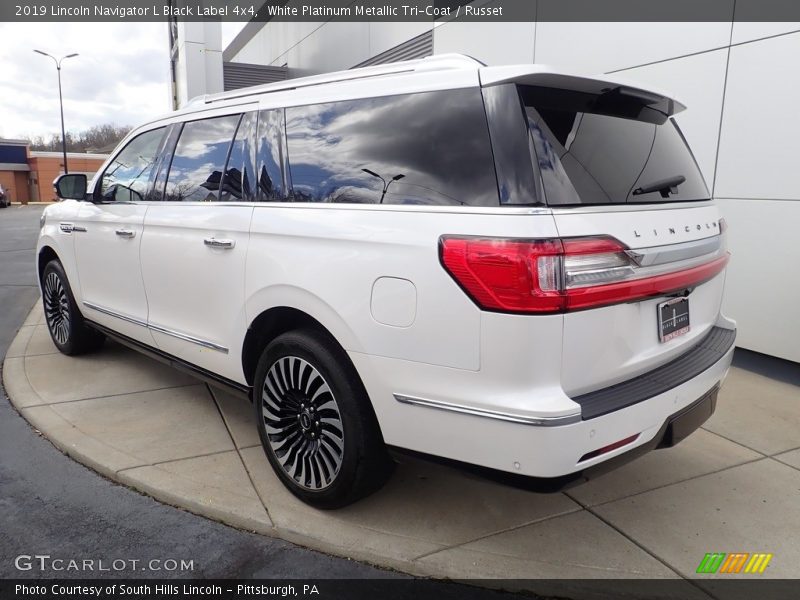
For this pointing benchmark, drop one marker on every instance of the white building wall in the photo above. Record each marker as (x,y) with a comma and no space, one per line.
(198,68)
(740,82)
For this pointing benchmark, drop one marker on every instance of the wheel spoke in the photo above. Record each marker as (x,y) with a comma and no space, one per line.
(302,422)
(56,307)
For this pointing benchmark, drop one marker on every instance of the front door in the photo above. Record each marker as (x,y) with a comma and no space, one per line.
(108,236)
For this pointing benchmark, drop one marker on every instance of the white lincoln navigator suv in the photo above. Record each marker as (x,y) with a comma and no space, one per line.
(509,268)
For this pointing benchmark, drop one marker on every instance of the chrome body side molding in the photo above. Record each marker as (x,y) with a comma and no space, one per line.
(188,338)
(158,328)
(490,414)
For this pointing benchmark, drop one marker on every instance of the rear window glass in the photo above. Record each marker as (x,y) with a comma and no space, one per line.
(431,148)
(611,148)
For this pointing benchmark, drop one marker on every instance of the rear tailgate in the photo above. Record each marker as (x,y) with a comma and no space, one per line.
(606,345)
(636,222)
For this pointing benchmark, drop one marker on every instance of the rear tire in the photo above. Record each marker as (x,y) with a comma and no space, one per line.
(65,322)
(316,421)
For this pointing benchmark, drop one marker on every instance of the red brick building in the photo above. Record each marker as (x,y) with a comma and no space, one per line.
(27,176)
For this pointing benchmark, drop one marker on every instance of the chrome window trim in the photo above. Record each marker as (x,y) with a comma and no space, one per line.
(490,414)
(158,328)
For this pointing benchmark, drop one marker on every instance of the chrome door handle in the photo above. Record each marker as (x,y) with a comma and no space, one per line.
(126,233)
(215,243)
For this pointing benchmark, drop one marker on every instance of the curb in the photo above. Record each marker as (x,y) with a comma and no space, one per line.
(72,442)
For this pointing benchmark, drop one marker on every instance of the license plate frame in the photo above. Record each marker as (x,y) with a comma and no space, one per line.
(673,318)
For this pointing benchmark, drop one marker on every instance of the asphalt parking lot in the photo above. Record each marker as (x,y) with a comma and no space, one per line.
(733,486)
(49,504)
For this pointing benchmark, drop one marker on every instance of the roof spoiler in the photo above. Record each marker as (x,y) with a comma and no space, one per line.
(544,76)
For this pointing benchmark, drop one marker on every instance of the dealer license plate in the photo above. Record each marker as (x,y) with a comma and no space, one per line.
(673,318)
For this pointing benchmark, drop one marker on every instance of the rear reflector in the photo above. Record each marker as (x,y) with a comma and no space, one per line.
(559,275)
(609,448)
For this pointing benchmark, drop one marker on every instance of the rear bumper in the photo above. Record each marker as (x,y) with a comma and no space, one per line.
(676,428)
(688,365)
(562,453)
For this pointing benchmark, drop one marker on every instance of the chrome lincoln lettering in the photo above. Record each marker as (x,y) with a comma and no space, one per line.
(686,228)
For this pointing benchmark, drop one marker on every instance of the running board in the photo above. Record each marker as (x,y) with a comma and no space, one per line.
(223,383)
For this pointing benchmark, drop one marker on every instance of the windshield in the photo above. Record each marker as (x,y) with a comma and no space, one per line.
(608,149)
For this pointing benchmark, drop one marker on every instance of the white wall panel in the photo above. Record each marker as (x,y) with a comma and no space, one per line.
(698,81)
(383,36)
(762,288)
(492,43)
(332,47)
(758,155)
(604,47)
(745,32)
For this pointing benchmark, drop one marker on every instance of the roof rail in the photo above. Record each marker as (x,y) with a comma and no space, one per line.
(440,62)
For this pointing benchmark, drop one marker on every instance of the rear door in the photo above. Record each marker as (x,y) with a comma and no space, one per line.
(195,242)
(647,272)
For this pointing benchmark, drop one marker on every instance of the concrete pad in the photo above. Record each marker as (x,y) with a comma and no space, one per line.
(72,441)
(153,426)
(216,486)
(15,382)
(36,315)
(790,458)
(422,509)
(701,453)
(40,342)
(574,546)
(20,342)
(758,412)
(111,371)
(239,417)
(750,508)
(326,530)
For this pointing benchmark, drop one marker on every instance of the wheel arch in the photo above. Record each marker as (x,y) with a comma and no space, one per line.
(46,254)
(272,322)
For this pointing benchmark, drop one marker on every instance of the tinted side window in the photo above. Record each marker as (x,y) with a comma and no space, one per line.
(427,148)
(238,183)
(270,156)
(127,177)
(196,171)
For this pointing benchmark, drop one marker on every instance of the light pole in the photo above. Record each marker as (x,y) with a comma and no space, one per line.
(60,101)
(385,185)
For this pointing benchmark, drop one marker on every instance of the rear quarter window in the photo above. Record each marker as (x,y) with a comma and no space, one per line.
(429,148)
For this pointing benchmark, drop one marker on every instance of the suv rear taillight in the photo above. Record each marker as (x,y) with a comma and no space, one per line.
(559,275)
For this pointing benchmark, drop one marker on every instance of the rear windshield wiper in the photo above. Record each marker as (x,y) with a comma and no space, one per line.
(664,186)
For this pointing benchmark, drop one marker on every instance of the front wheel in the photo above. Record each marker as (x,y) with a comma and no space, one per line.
(316,422)
(64,321)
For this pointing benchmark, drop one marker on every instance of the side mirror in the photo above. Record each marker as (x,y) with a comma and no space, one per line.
(71,186)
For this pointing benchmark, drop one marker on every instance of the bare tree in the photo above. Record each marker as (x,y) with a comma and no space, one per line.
(98,138)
